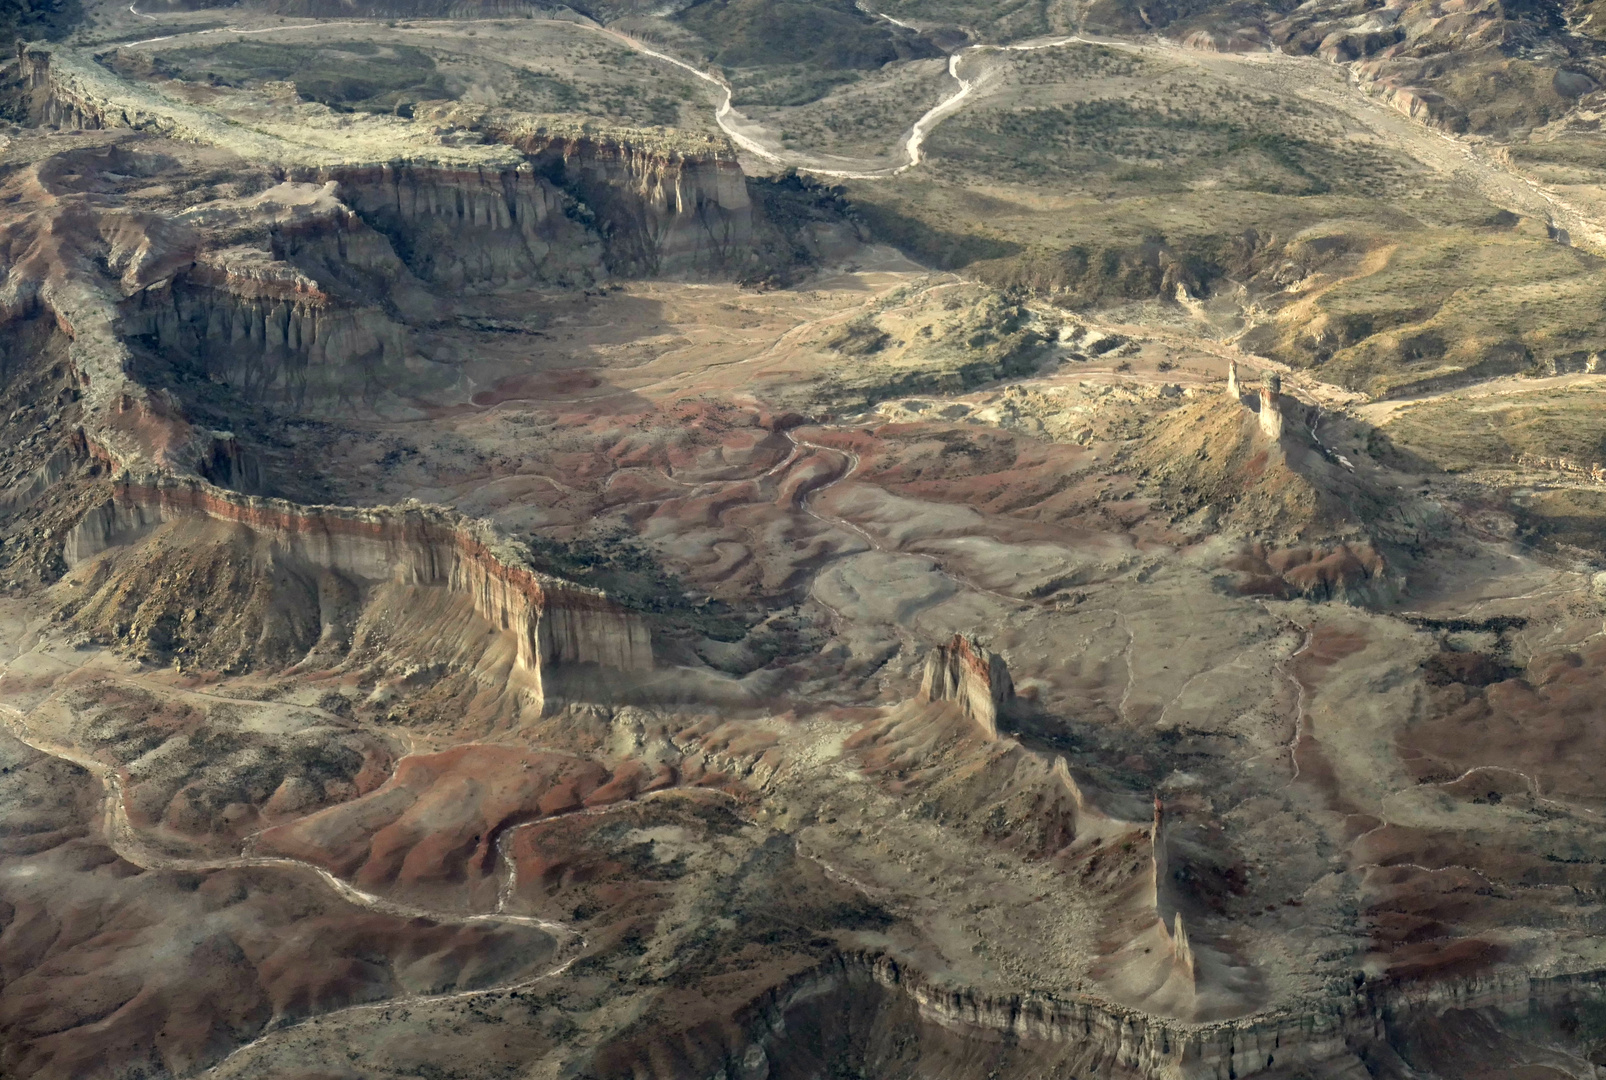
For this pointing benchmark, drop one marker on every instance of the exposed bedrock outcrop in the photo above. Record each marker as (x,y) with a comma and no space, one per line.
(300,322)
(324,239)
(963,671)
(552,621)
(891,1020)
(1320,528)
(663,209)
(458,227)
(47,100)
(291,349)
(637,203)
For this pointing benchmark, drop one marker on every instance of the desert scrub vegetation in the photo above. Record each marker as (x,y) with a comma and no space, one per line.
(632,574)
(923,219)
(1111,271)
(866,114)
(31,20)
(819,35)
(1128,146)
(964,343)
(379,76)
(1429,308)
(622,103)
(1494,97)
(347,75)
(861,337)
(1006,20)
(786,87)
(1571,519)
(781,53)
(1050,66)
(1457,435)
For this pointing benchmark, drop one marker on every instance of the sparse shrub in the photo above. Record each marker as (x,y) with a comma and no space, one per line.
(861,337)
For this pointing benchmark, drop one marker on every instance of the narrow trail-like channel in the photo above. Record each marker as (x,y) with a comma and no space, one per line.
(123,839)
(853,462)
(1300,77)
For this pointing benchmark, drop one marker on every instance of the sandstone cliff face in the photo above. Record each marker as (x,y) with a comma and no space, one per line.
(812,1014)
(50,102)
(551,621)
(1028,1033)
(1168,904)
(638,203)
(313,227)
(963,671)
(286,345)
(302,321)
(1272,405)
(667,211)
(458,227)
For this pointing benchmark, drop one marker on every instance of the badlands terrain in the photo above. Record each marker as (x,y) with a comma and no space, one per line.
(763,539)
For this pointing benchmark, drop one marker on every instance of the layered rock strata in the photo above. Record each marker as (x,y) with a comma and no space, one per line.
(669,206)
(552,621)
(965,672)
(1089,1036)
(1089,821)
(674,205)
(268,331)
(1166,901)
(1271,406)
(459,227)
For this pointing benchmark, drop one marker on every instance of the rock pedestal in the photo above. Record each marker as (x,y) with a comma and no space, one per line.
(963,671)
(1271,411)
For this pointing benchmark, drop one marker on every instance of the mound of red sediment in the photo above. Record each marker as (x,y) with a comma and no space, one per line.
(1434,898)
(1545,724)
(546,384)
(192,774)
(624,862)
(109,970)
(1343,571)
(1027,488)
(437,823)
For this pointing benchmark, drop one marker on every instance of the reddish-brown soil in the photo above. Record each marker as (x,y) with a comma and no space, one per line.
(1544,723)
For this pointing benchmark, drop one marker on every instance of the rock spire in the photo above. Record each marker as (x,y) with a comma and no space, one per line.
(963,671)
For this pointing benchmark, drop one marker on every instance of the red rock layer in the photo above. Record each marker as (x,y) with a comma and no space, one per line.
(963,671)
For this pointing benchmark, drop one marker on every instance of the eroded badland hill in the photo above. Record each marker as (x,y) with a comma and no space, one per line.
(802,539)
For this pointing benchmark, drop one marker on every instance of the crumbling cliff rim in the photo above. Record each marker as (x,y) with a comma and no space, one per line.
(1309,1032)
(555,621)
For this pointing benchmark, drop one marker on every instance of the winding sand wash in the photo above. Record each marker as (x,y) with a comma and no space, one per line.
(121,836)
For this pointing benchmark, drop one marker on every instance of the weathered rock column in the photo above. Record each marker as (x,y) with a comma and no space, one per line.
(1271,411)
(965,672)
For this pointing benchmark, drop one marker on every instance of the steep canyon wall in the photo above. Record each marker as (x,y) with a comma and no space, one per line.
(552,621)
(843,1009)
(458,227)
(666,205)
(643,203)
(292,347)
